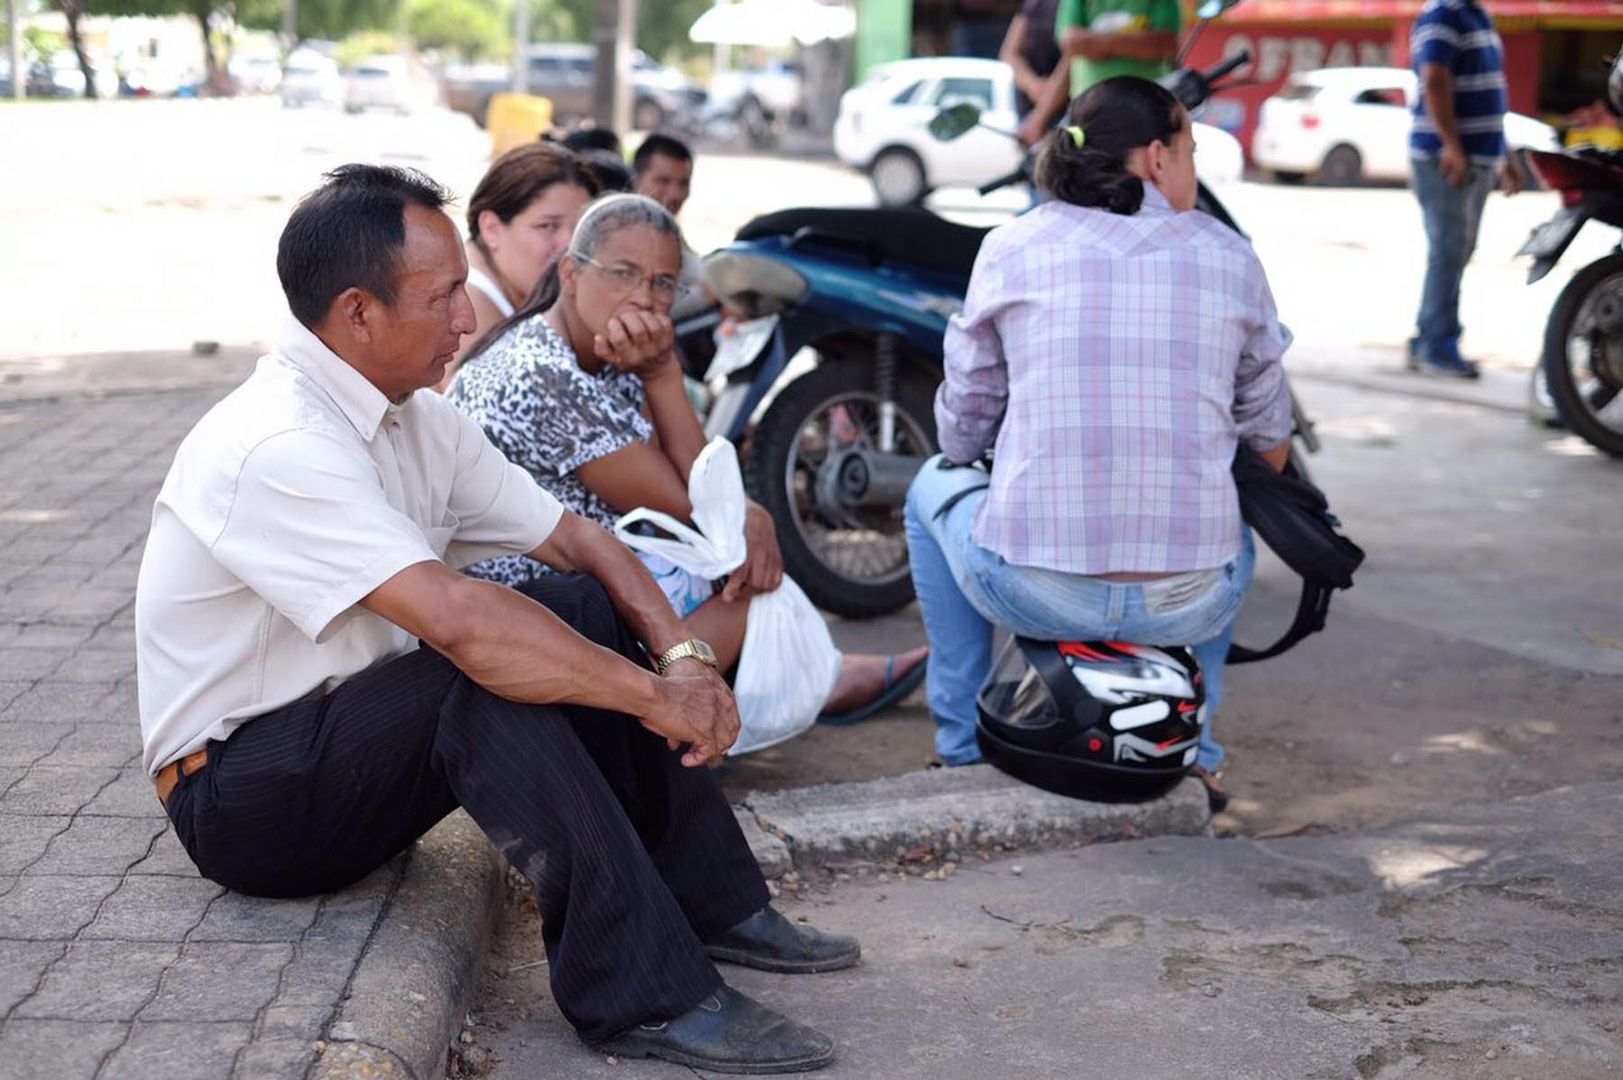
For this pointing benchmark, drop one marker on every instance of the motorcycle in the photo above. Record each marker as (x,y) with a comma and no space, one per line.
(1582,364)
(866,294)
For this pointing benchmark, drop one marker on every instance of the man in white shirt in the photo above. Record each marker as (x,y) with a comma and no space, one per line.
(304,542)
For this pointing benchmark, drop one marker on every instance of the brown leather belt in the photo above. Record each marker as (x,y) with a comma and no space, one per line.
(170,774)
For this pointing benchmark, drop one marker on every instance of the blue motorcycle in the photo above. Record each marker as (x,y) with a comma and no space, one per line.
(830,382)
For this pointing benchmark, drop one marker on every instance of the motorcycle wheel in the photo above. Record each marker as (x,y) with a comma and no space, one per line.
(1583,354)
(851,561)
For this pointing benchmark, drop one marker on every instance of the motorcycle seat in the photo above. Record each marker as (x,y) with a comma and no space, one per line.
(912,235)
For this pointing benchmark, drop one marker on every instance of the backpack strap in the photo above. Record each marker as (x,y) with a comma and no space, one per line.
(1311,611)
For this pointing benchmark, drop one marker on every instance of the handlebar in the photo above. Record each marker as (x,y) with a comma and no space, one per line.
(1238,60)
(1003,181)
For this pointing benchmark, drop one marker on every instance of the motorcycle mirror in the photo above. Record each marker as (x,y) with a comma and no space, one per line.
(1211,9)
(956,120)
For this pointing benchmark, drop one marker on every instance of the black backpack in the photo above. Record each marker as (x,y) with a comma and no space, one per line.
(1293,518)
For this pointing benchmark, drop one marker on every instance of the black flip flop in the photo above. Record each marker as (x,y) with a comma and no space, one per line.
(895,690)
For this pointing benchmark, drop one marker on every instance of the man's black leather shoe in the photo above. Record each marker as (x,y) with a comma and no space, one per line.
(728,1033)
(767,941)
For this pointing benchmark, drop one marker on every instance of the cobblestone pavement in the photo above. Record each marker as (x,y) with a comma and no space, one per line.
(116,958)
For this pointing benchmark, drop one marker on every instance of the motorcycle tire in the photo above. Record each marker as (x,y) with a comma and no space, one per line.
(1564,389)
(766,471)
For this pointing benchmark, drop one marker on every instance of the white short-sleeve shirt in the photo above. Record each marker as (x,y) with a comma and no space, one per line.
(291,500)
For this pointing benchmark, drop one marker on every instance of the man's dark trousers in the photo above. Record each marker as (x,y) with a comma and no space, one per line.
(634,858)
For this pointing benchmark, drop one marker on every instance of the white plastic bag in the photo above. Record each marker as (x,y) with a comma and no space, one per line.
(714,546)
(789,663)
(786,670)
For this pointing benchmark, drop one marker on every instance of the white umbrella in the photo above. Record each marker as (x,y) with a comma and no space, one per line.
(773,24)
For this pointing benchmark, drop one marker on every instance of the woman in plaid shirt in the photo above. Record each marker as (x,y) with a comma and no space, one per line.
(1113,349)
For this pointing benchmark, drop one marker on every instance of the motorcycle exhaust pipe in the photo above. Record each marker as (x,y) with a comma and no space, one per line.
(866,478)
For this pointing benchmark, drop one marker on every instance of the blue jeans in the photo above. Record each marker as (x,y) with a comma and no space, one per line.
(966,592)
(1452,217)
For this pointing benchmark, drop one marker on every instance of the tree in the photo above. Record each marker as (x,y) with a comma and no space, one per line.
(472,29)
(73,11)
(662,26)
(332,20)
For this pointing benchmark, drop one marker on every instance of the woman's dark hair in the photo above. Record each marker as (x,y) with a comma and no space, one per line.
(608,215)
(520,176)
(347,234)
(1116,116)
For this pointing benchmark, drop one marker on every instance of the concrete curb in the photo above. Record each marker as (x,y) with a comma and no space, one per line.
(934,816)
(409,993)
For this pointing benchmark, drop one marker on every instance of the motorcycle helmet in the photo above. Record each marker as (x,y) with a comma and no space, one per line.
(1614,86)
(1107,721)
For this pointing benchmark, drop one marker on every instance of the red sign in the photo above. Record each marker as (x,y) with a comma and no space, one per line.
(1278,52)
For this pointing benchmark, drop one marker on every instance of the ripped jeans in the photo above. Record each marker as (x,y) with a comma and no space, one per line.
(965,592)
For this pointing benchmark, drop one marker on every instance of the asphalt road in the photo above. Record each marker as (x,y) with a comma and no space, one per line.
(135,225)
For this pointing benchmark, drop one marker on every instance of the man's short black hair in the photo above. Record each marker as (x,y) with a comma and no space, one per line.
(609,168)
(664,146)
(591,137)
(348,233)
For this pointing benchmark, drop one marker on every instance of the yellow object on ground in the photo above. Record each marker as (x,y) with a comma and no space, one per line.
(516,119)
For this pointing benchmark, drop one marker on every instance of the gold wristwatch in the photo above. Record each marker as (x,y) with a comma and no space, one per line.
(691,648)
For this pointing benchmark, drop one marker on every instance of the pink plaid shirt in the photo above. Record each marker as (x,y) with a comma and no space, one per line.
(1115,361)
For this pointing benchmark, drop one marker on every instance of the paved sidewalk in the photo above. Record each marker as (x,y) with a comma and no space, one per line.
(117,956)
(116,959)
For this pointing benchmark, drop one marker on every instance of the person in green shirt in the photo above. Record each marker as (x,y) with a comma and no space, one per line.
(1103,38)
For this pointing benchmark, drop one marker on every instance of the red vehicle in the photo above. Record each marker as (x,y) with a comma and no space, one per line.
(1583,343)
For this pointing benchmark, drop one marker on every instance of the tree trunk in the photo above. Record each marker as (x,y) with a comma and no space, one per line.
(211,64)
(72,10)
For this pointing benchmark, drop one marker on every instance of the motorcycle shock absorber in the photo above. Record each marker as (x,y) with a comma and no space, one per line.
(885,378)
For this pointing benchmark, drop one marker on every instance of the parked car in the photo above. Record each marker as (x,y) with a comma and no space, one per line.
(311,79)
(256,74)
(58,75)
(883,129)
(1349,125)
(566,74)
(379,82)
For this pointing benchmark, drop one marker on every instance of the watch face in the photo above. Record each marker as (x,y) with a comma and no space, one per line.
(704,652)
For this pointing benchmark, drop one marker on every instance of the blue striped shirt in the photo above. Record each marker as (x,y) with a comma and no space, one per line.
(1459,35)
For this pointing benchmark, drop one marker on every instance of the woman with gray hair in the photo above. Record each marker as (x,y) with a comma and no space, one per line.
(605,436)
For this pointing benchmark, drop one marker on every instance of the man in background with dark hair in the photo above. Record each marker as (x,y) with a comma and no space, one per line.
(319,686)
(662,169)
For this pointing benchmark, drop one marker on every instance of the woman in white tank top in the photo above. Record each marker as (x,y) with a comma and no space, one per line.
(520,219)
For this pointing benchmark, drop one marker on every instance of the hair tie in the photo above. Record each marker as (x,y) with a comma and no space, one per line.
(1078,136)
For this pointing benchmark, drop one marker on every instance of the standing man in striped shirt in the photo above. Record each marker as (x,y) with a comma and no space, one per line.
(1458,151)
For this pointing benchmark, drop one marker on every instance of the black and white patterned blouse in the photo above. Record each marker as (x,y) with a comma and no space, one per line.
(547,415)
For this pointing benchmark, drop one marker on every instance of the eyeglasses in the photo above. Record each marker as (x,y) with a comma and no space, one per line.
(624,277)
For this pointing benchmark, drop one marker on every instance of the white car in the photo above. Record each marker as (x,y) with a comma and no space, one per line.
(883,129)
(1347,125)
(256,74)
(311,78)
(379,82)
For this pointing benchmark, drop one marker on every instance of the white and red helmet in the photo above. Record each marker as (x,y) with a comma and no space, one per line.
(1109,721)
